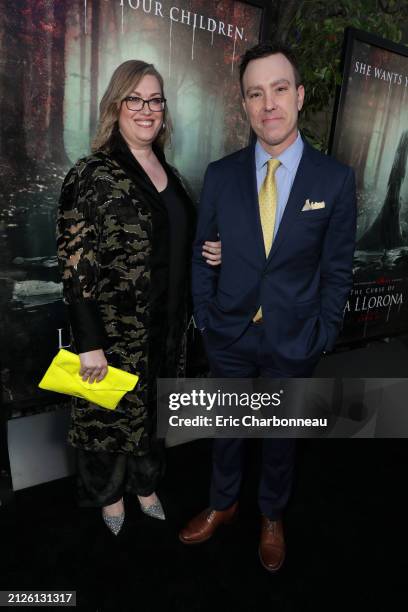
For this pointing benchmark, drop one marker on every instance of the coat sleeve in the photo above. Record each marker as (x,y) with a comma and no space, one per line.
(204,277)
(77,248)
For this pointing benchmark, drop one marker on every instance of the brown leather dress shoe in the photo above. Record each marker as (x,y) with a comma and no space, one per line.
(272,545)
(202,526)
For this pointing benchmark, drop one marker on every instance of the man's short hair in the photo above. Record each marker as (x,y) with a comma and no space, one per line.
(265,50)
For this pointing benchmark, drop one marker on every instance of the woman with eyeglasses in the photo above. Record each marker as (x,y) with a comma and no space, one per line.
(125,229)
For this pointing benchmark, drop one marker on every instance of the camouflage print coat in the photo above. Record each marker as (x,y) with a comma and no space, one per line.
(105,251)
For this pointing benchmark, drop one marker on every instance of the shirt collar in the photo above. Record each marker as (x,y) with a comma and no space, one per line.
(289,158)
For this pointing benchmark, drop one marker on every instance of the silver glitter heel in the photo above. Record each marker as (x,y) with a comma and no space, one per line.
(114,523)
(154,510)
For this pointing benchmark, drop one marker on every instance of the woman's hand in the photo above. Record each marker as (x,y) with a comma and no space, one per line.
(94,366)
(212,252)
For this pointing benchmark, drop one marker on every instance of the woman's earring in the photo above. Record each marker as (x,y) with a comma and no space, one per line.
(163,127)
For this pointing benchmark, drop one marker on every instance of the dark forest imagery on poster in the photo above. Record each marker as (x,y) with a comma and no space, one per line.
(56,61)
(371,135)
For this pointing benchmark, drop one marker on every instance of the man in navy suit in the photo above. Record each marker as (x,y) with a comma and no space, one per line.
(286,217)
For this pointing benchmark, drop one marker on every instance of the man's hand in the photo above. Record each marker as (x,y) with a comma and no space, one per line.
(94,366)
(212,252)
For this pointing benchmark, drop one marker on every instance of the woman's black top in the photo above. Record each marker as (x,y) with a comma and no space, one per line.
(169,273)
(171,253)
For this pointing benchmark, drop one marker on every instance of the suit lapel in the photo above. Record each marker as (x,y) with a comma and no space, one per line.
(304,179)
(248,194)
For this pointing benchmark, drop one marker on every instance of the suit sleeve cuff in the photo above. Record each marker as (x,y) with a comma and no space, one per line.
(87,326)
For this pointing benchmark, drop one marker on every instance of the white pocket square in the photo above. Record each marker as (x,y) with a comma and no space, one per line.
(313,205)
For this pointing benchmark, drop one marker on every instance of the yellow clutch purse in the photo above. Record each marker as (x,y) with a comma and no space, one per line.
(63,377)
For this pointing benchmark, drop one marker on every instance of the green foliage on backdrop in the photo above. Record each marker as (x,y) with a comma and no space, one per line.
(315,30)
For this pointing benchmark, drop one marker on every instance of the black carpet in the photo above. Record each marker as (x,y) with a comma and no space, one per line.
(345,528)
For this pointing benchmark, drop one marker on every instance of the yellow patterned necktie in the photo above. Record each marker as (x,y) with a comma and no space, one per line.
(268,197)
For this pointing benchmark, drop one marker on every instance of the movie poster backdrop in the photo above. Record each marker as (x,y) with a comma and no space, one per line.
(56,61)
(371,135)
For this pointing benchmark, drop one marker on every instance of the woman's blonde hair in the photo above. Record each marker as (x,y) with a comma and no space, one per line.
(122,83)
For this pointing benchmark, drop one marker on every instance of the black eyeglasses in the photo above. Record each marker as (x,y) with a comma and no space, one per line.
(134,103)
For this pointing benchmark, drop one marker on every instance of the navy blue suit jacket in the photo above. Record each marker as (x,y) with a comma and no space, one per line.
(303,284)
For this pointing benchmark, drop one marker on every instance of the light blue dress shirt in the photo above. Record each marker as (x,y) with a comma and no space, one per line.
(285,174)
